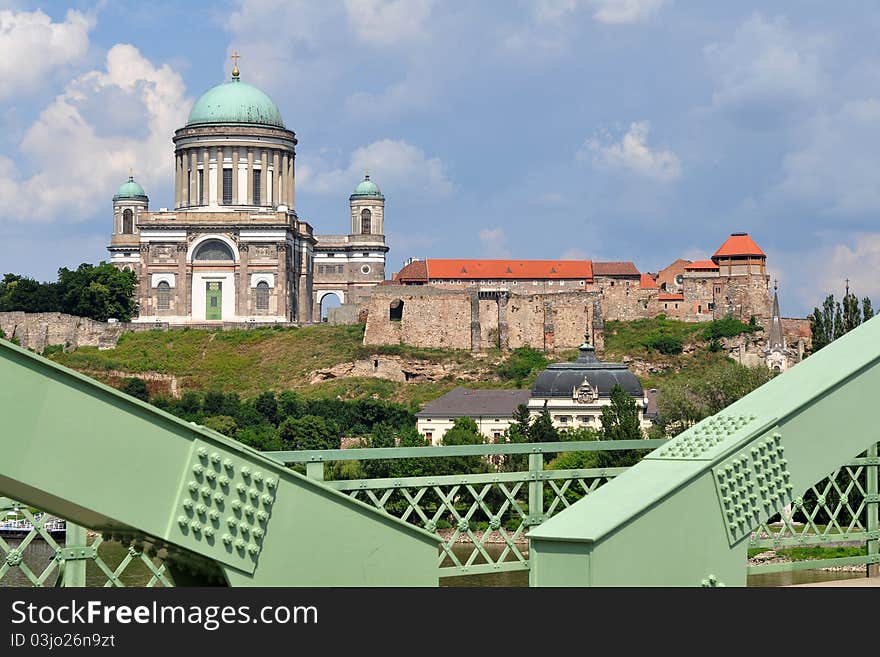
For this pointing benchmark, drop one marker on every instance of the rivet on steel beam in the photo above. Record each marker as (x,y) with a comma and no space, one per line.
(202,452)
(227,539)
(181,520)
(258,477)
(236,505)
(240,544)
(252,549)
(198,469)
(271,482)
(262,516)
(187,504)
(227,464)
(231,522)
(241,488)
(258,533)
(215,457)
(266,500)
(214,515)
(195,526)
(223,481)
(218,498)
(246,472)
(253,493)
(244,529)
(193,486)
(248,510)
(211,475)
(209,531)
(206,492)
(201,509)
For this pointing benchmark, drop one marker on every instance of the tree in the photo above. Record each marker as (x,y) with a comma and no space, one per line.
(309,432)
(542,429)
(684,401)
(136,388)
(222,424)
(97,291)
(28,295)
(521,363)
(838,318)
(267,406)
(620,419)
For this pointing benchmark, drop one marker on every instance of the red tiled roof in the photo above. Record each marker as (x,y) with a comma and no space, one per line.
(647,282)
(615,269)
(739,244)
(501,269)
(701,264)
(671,297)
(414,272)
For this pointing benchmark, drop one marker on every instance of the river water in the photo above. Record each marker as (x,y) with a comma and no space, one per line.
(38,555)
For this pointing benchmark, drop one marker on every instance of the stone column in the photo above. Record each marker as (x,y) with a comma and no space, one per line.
(235,175)
(242,304)
(275,186)
(264,169)
(503,331)
(179,184)
(250,176)
(474,294)
(183,285)
(193,177)
(549,327)
(218,153)
(289,183)
(176,180)
(206,177)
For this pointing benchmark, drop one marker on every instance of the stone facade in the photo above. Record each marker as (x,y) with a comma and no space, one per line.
(441,318)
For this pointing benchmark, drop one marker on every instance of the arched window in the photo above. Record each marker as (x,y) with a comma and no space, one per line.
(262,295)
(163,296)
(127,221)
(366,221)
(395,311)
(213,250)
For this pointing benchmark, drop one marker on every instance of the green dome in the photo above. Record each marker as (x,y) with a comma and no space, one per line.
(235,102)
(367,189)
(130,189)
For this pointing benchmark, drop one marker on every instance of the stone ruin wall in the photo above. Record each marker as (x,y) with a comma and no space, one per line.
(37,331)
(459,319)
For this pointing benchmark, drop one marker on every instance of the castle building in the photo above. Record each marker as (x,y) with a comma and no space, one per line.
(233,248)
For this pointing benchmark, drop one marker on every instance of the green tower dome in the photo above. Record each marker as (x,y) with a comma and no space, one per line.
(130,189)
(235,102)
(367,189)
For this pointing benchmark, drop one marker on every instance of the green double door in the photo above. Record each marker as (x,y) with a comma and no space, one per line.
(214,300)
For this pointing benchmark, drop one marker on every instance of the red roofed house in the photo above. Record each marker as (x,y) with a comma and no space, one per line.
(670,278)
(521,276)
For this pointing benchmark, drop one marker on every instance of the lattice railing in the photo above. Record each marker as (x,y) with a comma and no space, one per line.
(36,557)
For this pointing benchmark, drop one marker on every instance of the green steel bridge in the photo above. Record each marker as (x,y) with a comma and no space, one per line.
(793,464)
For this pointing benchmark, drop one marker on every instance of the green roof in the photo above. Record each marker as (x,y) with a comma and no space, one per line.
(367,189)
(130,189)
(235,102)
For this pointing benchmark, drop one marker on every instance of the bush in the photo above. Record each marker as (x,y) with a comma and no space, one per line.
(52,349)
(222,424)
(136,388)
(521,363)
(729,327)
(665,344)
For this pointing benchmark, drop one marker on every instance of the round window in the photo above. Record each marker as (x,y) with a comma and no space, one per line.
(365,269)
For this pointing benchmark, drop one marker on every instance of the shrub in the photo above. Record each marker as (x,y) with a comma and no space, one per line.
(136,388)
(52,349)
(728,328)
(665,344)
(520,363)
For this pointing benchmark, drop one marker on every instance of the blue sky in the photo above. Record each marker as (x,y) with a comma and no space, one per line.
(640,130)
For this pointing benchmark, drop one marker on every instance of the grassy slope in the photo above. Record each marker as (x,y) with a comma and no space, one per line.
(249,362)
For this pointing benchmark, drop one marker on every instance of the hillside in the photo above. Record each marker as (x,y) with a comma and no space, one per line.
(316,361)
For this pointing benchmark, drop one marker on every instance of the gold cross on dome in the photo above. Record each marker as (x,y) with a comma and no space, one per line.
(235,57)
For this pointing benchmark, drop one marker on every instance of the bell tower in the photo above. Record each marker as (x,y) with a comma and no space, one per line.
(367,208)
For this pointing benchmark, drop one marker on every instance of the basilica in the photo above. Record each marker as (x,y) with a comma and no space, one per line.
(233,249)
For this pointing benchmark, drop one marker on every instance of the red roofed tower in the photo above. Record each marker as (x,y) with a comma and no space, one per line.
(740,256)
(740,287)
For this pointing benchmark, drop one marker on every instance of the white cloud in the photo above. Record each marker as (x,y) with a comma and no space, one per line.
(494,243)
(574,254)
(395,165)
(34,47)
(766,66)
(388,22)
(625,11)
(631,154)
(604,11)
(74,161)
(836,168)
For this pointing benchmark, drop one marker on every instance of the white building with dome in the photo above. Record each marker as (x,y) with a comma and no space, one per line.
(233,248)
